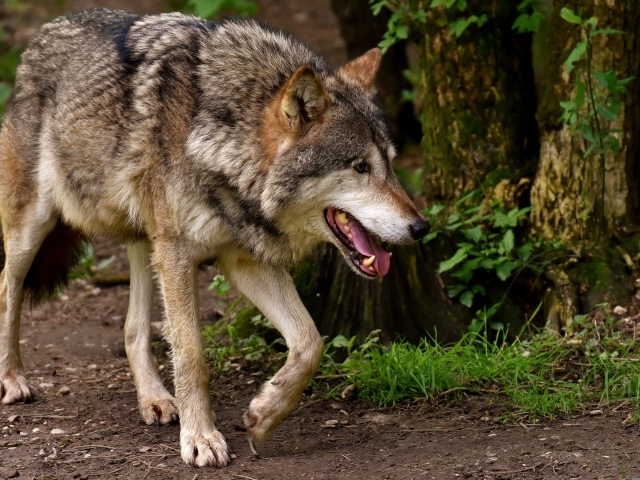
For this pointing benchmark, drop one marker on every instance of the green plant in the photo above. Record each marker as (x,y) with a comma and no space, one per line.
(543,376)
(211,8)
(225,351)
(221,285)
(489,245)
(593,110)
(529,18)
(407,16)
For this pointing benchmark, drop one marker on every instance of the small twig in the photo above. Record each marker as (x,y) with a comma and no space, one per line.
(243,476)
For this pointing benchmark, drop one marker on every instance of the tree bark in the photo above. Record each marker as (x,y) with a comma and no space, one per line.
(478,107)
(409,302)
(573,199)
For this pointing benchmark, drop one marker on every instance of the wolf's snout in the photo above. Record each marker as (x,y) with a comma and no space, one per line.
(419,228)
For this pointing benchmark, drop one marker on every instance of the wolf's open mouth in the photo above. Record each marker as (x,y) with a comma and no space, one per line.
(364,251)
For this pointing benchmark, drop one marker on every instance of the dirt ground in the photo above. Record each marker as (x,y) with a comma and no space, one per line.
(85,424)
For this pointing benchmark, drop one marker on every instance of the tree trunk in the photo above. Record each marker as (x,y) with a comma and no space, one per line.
(478,115)
(361,31)
(409,302)
(478,107)
(573,198)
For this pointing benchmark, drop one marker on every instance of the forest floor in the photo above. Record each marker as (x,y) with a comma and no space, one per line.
(94,430)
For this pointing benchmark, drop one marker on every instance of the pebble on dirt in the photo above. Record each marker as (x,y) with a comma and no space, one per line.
(57,431)
(64,391)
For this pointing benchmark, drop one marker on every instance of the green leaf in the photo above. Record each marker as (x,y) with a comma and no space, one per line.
(568,15)
(474,234)
(437,3)
(605,31)
(435,209)
(508,241)
(586,132)
(608,112)
(402,32)
(430,236)
(524,251)
(524,4)
(466,298)
(576,54)
(458,257)
(465,272)
(580,91)
(613,143)
(528,22)
(591,22)
(455,290)
(377,7)
(504,269)
(340,341)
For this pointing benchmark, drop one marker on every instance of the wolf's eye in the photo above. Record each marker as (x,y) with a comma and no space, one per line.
(362,167)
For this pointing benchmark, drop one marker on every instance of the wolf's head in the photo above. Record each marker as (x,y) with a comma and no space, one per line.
(329,156)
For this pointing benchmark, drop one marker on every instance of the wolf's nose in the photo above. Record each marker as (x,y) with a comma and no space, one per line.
(419,228)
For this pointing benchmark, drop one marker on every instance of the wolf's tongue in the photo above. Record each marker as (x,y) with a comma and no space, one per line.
(367,246)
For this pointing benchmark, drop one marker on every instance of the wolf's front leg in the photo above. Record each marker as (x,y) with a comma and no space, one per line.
(200,442)
(272,290)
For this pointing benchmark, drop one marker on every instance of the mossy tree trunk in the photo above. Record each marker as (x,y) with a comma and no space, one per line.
(573,198)
(478,106)
(479,114)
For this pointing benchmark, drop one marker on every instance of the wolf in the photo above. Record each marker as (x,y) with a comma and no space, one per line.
(188,140)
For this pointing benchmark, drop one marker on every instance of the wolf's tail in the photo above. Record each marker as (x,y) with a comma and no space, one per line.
(49,271)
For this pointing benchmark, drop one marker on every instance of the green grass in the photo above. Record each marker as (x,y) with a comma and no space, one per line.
(544,376)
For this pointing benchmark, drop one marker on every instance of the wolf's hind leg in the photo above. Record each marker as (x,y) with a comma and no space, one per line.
(157,406)
(273,292)
(21,242)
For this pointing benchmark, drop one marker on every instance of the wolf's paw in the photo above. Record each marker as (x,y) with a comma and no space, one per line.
(14,388)
(158,410)
(204,449)
(266,411)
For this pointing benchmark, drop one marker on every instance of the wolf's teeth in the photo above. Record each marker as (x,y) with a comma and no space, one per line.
(347,228)
(349,236)
(369,261)
(342,218)
(390,254)
(372,269)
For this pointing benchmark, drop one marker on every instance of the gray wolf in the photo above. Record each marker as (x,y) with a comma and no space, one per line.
(189,140)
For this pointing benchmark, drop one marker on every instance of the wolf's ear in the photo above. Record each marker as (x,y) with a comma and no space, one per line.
(303,99)
(364,68)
